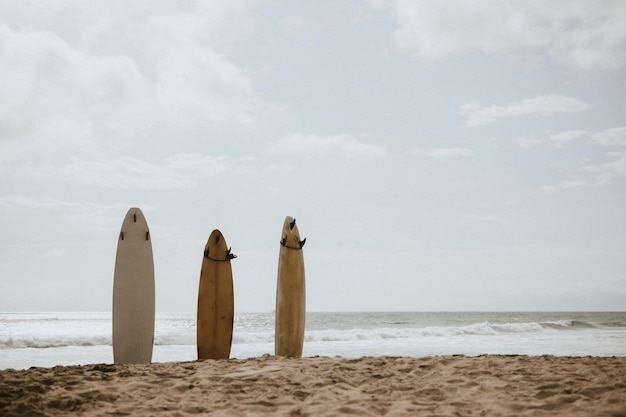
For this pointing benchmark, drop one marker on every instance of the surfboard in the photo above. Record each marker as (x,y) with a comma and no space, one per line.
(133,292)
(216,304)
(290,292)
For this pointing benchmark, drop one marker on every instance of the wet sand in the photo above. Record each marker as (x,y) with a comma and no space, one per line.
(490,385)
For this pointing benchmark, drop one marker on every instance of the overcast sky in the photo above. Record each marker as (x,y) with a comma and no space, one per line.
(437,155)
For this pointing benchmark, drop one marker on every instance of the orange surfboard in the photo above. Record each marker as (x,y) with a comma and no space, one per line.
(216,304)
(290,293)
(133,292)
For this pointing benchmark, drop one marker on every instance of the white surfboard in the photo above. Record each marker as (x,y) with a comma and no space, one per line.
(133,292)
(290,293)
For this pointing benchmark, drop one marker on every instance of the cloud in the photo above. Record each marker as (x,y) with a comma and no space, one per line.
(611,137)
(15,200)
(11,122)
(604,173)
(478,115)
(579,34)
(178,171)
(192,80)
(528,141)
(439,153)
(294,25)
(570,183)
(568,136)
(119,75)
(52,213)
(591,173)
(47,79)
(485,218)
(343,145)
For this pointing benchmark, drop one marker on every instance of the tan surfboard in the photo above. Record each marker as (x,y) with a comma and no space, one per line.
(133,292)
(216,304)
(290,293)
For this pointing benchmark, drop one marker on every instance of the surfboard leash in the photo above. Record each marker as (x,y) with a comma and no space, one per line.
(229,255)
(283,242)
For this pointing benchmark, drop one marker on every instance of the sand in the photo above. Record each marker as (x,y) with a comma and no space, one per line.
(490,385)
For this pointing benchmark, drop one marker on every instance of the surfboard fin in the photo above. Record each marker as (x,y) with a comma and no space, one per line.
(292,224)
(122,235)
(229,255)
(302,242)
(148,235)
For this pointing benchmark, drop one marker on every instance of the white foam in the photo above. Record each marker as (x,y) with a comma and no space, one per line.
(28,339)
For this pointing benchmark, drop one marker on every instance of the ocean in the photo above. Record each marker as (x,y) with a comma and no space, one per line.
(73,338)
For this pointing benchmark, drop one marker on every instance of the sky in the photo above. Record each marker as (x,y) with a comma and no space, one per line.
(438,156)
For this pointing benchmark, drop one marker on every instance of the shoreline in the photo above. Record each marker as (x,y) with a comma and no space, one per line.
(496,385)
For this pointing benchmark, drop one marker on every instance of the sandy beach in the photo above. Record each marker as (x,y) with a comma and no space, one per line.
(490,385)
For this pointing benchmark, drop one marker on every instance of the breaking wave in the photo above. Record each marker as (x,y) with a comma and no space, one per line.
(186,335)
(53,341)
